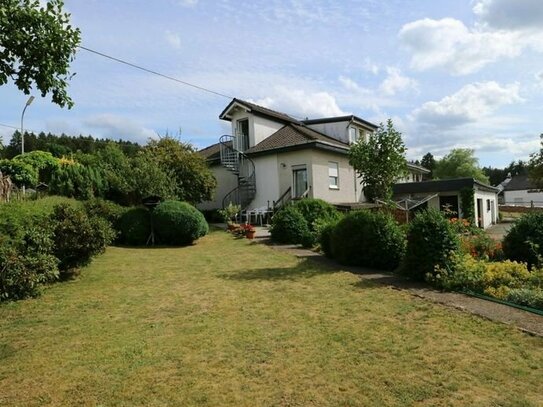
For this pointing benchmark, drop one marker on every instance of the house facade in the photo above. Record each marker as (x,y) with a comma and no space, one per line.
(521,191)
(272,157)
(447,195)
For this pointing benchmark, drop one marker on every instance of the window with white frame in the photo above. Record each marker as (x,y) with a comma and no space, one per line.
(333,175)
(353,135)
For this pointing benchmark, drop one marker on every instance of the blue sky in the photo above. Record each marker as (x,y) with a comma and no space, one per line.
(449,73)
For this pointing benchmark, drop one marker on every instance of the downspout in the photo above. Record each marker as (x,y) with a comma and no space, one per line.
(354,171)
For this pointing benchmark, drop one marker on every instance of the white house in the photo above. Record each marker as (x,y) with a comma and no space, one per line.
(272,157)
(521,191)
(442,194)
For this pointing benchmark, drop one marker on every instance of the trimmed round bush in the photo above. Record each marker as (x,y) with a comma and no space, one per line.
(524,241)
(431,240)
(314,210)
(179,223)
(289,226)
(135,227)
(368,239)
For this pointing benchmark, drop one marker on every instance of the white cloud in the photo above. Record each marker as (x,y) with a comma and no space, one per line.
(471,103)
(118,127)
(173,39)
(396,82)
(449,44)
(302,103)
(510,14)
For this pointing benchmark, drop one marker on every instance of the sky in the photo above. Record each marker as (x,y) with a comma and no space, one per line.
(449,73)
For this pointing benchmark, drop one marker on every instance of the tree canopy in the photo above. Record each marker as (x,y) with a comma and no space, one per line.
(380,161)
(37,45)
(536,166)
(428,161)
(460,163)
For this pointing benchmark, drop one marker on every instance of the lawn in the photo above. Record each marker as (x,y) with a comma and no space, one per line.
(231,323)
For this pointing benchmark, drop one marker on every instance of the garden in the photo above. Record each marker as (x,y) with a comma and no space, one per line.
(446,252)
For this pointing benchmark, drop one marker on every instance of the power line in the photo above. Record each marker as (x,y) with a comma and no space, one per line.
(156,73)
(11,127)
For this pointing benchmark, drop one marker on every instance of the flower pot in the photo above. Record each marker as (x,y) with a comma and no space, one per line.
(250,234)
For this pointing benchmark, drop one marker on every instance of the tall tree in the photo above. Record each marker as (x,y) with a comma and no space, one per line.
(380,161)
(460,163)
(428,161)
(536,166)
(194,180)
(37,45)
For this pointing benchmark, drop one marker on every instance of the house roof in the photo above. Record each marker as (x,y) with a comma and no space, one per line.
(256,109)
(295,136)
(442,185)
(417,167)
(336,119)
(212,152)
(520,182)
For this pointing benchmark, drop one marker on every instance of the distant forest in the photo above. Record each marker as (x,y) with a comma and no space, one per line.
(63,145)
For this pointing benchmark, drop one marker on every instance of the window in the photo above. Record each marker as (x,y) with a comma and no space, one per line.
(243,134)
(488,204)
(353,135)
(300,180)
(333,175)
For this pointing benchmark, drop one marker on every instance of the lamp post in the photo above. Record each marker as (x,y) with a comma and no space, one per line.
(28,103)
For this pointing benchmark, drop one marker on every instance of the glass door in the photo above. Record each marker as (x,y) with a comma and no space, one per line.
(243,134)
(300,182)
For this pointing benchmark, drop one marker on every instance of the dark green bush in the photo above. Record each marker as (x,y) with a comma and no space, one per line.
(430,242)
(524,241)
(324,232)
(179,223)
(368,239)
(135,226)
(78,237)
(289,226)
(107,210)
(26,262)
(316,213)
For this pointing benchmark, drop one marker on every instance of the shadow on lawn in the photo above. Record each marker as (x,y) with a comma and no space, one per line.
(307,268)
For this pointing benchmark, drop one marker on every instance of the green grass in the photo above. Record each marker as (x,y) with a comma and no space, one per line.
(230,323)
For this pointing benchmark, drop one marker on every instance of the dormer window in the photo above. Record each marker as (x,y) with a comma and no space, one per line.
(353,135)
(242,133)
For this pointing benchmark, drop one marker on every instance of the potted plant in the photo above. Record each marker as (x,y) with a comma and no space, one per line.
(228,214)
(249,230)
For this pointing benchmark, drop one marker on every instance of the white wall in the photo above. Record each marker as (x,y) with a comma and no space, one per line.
(259,127)
(226,181)
(523,198)
(489,215)
(267,181)
(337,130)
(347,191)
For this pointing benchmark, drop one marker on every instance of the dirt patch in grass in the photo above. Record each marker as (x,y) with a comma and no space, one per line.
(227,322)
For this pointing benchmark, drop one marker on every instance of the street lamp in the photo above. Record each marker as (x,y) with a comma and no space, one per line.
(28,103)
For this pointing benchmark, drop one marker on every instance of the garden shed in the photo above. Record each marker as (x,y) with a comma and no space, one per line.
(465,197)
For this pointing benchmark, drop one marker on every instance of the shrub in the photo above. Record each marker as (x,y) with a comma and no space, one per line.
(26,262)
(289,226)
(315,210)
(529,297)
(107,210)
(465,273)
(78,237)
(135,226)
(524,241)
(369,239)
(179,223)
(324,230)
(481,246)
(430,241)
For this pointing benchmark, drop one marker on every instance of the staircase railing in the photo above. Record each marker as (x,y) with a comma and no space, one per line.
(241,165)
(283,199)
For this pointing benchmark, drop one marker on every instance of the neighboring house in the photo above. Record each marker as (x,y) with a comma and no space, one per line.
(272,157)
(442,194)
(520,190)
(416,173)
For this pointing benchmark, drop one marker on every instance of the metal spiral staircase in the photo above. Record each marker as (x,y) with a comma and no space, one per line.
(241,165)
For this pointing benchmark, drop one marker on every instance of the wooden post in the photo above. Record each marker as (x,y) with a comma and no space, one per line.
(406,212)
